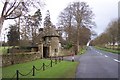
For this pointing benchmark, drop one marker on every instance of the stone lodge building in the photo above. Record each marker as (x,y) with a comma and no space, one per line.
(49,43)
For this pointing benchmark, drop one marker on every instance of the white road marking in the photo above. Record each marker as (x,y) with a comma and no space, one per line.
(97,52)
(106,56)
(116,60)
(100,53)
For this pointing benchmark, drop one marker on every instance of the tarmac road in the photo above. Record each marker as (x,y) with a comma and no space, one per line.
(97,64)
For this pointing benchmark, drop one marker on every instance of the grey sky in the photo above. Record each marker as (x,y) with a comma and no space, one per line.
(104,10)
(119,9)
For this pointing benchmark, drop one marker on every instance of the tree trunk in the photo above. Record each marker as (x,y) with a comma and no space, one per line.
(113,45)
(77,42)
(1,23)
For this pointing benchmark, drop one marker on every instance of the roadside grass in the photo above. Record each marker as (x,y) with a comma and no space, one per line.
(64,69)
(108,50)
(82,50)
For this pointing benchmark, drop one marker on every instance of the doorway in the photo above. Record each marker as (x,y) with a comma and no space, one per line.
(45,52)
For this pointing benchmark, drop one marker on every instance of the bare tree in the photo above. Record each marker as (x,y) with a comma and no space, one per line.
(77,14)
(83,17)
(30,27)
(118,38)
(65,19)
(14,9)
(113,31)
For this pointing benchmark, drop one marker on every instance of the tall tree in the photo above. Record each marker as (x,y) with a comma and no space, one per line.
(13,35)
(118,38)
(47,20)
(77,14)
(37,18)
(31,26)
(36,23)
(113,31)
(83,17)
(65,19)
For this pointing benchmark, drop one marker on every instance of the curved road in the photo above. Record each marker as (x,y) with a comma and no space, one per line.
(97,64)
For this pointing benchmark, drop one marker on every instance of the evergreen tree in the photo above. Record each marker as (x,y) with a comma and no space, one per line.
(13,35)
(37,17)
(47,20)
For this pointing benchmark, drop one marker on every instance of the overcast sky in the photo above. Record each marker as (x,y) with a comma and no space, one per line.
(104,10)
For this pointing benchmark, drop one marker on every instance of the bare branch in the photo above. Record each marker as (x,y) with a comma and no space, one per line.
(4,8)
(14,17)
(11,8)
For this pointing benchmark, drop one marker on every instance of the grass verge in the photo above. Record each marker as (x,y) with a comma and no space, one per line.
(63,69)
(82,50)
(108,50)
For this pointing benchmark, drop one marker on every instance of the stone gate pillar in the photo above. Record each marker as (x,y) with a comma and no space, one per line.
(40,49)
(50,54)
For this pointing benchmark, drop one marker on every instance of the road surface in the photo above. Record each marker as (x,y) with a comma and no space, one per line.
(97,64)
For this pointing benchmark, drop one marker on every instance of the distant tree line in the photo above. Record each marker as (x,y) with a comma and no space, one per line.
(110,36)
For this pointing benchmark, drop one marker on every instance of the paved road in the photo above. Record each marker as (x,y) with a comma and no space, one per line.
(97,64)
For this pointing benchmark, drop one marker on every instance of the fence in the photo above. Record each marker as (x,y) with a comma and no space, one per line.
(34,69)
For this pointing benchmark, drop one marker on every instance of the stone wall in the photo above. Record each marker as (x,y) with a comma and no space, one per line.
(54,46)
(19,58)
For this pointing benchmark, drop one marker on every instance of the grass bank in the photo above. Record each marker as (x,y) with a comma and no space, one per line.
(63,69)
(82,50)
(108,50)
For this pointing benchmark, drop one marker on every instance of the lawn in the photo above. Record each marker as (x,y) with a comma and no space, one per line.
(3,50)
(64,69)
(108,50)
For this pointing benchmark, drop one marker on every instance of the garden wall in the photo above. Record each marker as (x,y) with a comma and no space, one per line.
(19,58)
